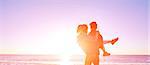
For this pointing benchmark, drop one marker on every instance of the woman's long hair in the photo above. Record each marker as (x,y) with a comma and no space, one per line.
(82,28)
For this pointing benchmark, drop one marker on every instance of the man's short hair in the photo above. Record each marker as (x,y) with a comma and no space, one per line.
(93,23)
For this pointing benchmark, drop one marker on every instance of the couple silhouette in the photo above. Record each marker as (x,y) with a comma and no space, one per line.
(91,42)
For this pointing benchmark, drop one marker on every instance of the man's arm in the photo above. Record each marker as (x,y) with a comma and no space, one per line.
(100,38)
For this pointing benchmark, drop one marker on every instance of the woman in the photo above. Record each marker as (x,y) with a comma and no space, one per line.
(82,36)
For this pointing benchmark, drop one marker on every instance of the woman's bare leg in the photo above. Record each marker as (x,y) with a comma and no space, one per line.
(103,49)
(107,41)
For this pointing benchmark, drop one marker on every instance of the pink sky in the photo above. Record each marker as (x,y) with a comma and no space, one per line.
(39,26)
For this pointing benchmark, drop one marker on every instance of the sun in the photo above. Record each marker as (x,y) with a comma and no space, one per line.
(60,42)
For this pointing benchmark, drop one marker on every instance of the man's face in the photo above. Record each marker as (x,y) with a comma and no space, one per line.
(93,26)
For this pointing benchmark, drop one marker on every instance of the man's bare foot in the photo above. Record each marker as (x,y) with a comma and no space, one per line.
(106,54)
(114,40)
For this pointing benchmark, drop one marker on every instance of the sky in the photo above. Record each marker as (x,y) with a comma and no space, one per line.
(49,26)
(148,27)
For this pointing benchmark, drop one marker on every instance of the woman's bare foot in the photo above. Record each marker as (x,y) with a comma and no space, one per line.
(106,54)
(113,41)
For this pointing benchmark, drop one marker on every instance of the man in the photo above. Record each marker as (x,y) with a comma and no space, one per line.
(94,41)
(96,35)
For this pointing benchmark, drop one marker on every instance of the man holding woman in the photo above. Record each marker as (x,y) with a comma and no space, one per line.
(91,42)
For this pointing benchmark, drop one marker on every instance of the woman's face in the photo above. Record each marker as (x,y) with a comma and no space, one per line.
(83,29)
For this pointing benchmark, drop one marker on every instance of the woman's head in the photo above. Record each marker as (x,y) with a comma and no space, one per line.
(82,28)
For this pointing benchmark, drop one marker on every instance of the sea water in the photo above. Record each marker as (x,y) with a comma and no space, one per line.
(13,59)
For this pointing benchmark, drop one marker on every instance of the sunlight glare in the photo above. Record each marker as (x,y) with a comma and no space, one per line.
(65,60)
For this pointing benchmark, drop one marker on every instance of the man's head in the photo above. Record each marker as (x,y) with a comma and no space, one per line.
(93,26)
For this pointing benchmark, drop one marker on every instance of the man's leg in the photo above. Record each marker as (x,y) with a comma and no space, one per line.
(88,60)
(95,59)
